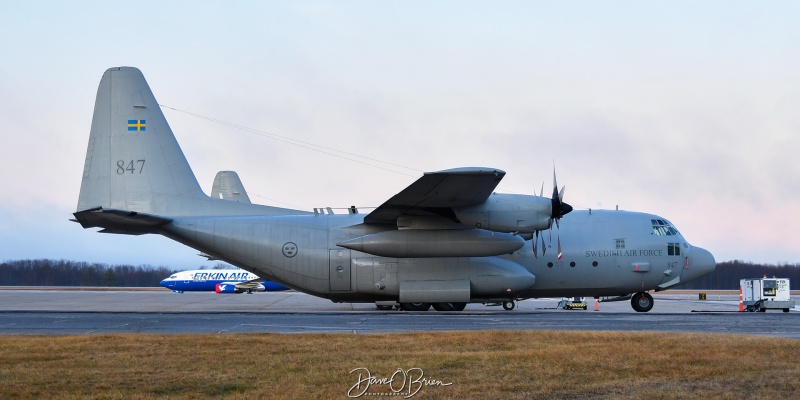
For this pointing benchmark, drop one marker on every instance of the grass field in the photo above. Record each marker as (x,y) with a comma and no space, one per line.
(499,365)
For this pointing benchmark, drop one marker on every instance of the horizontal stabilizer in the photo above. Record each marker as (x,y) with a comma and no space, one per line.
(119,221)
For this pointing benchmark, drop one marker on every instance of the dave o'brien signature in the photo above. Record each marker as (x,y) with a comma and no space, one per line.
(409,382)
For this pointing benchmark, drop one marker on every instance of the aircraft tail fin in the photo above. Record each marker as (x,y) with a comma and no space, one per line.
(133,161)
(228,186)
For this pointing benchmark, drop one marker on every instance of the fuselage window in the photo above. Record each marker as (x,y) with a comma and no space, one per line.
(620,243)
(673,249)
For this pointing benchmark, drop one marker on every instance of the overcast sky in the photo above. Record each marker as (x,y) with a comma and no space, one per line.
(689,110)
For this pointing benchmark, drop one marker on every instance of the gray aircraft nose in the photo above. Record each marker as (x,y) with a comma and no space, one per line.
(701,262)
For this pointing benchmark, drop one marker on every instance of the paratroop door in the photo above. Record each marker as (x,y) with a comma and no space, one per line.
(340,270)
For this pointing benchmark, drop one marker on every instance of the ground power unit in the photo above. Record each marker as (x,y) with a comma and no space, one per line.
(764,294)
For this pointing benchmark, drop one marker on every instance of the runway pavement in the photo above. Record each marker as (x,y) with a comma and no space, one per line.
(70,312)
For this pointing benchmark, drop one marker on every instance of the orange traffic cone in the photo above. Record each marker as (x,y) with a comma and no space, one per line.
(741,300)
(596,304)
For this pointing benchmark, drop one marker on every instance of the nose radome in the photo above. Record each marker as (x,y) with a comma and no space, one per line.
(701,262)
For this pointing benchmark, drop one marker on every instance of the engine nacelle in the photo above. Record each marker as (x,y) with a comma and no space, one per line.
(230,287)
(269,286)
(508,213)
(422,243)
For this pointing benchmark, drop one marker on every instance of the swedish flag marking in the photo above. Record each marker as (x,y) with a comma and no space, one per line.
(137,125)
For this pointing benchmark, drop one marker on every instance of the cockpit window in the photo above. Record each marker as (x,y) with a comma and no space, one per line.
(663,228)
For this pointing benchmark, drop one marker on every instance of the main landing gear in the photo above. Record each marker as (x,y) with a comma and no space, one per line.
(449,306)
(642,302)
(416,306)
(508,305)
(436,306)
(423,306)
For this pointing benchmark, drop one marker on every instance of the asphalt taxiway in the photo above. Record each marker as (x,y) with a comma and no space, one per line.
(71,312)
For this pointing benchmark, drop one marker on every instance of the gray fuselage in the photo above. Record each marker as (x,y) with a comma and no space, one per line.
(606,253)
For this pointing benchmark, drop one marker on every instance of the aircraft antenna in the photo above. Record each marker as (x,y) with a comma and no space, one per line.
(306,145)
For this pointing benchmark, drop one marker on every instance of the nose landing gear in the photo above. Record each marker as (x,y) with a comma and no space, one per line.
(642,302)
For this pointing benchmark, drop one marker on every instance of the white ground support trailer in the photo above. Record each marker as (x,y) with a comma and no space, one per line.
(763,294)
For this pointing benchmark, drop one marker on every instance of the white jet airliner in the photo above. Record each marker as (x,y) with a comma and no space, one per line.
(220,281)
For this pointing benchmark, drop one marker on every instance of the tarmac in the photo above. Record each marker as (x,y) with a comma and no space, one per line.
(77,312)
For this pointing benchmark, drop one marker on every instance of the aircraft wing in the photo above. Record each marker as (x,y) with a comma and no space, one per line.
(251,284)
(436,193)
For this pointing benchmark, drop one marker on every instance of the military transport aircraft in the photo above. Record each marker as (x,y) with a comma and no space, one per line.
(446,240)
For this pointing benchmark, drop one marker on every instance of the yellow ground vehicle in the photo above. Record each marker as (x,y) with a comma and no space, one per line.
(572,303)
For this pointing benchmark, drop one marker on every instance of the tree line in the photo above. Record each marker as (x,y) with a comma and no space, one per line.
(728,273)
(75,273)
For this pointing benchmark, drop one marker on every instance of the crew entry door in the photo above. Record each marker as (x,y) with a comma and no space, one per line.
(340,270)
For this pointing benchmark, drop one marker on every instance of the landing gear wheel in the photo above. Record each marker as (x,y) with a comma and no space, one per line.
(416,306)
(509,305)
(449,306)
(384,308)
(642,302)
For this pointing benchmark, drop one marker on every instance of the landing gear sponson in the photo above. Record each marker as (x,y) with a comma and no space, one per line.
(641,302)
(456,306)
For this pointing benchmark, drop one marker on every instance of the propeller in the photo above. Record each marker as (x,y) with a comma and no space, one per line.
(535,240)
(559,209)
